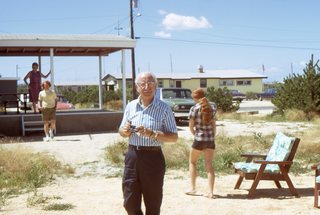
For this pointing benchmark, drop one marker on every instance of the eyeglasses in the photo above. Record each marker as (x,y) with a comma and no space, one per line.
(144,84)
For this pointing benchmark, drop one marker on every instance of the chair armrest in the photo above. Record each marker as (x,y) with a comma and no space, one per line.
(273,162)
(250,155)
(315,166)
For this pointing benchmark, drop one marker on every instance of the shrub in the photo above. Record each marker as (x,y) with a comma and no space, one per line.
(222,98)
(295,115)
(301,92)
(251,95)
(114,105)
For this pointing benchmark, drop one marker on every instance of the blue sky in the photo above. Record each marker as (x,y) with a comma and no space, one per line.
(174,36)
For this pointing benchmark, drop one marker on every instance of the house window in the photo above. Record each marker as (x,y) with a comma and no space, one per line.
(160,83)
(171,83)
(203,83)
(226,82)
(178,84)
(244,82)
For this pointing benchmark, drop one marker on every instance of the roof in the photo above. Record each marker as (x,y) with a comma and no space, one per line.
(9,78)
(63,44)
(216,74)
(236,73)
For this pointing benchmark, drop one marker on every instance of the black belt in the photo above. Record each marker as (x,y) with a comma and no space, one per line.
(145,148)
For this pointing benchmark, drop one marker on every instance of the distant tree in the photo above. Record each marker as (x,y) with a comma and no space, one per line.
(301,92)
(22,88)
(70,95)
(222,98)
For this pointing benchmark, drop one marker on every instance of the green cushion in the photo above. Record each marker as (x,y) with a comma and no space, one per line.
(279,151)
(318,179)
(253,167)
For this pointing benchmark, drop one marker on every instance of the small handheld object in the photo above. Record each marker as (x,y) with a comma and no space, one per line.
(133,129)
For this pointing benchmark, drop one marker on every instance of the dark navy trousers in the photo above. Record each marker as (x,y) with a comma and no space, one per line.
(143,176)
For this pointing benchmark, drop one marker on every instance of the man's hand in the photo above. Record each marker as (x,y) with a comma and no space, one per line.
(144,131)
(125,130)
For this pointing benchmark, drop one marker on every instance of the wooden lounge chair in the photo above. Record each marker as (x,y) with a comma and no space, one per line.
(316,167)
(274,166)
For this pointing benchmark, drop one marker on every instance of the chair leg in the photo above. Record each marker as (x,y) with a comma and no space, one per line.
(316,195)
(254,185)
(278,184)
(240,179)
(289,182)
(256,180)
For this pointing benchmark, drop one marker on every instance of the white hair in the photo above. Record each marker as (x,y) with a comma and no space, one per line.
(146,73)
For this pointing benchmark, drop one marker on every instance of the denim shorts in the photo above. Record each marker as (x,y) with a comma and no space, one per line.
(201,145)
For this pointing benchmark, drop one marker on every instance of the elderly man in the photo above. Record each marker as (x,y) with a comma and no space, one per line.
(148,122)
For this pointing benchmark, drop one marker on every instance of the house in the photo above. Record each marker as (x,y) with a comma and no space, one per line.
(243,80)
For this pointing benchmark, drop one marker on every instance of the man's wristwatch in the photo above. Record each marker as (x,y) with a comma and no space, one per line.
(154,135)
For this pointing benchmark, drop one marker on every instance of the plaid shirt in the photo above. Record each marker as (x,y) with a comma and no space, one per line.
(158,116)
(203,132)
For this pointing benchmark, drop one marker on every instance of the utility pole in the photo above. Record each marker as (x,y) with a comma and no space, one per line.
(132,53)
(171,67)
(118,28)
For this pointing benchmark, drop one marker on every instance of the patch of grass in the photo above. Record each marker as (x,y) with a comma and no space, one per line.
(294,115)
(21,169)
(3,198)
(5,140)
(37,199)
(177,154)
(40,199)
(229,149)
(58,207)
(115,153)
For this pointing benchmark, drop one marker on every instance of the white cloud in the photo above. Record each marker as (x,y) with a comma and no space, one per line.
(179,22)
(162,12)
(274,69)
(302,63)
(162,34)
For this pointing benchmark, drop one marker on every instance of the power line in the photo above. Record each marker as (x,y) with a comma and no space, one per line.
(55,19)
(111,26)
(231,44)
(258,40)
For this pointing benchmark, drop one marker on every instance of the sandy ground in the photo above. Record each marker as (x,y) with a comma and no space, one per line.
(93,191)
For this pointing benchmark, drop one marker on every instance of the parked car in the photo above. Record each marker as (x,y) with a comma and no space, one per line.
(179,99)
(62,104)
(237,95)
(267,94)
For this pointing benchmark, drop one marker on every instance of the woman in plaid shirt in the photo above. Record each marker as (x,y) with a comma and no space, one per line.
(202,125)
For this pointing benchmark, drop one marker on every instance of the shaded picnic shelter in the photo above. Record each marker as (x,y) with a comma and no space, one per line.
(74,45)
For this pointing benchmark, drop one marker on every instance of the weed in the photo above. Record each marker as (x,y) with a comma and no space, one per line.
(58,207)
(37,199)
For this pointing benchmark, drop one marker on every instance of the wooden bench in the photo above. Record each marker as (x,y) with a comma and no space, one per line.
(9,100)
